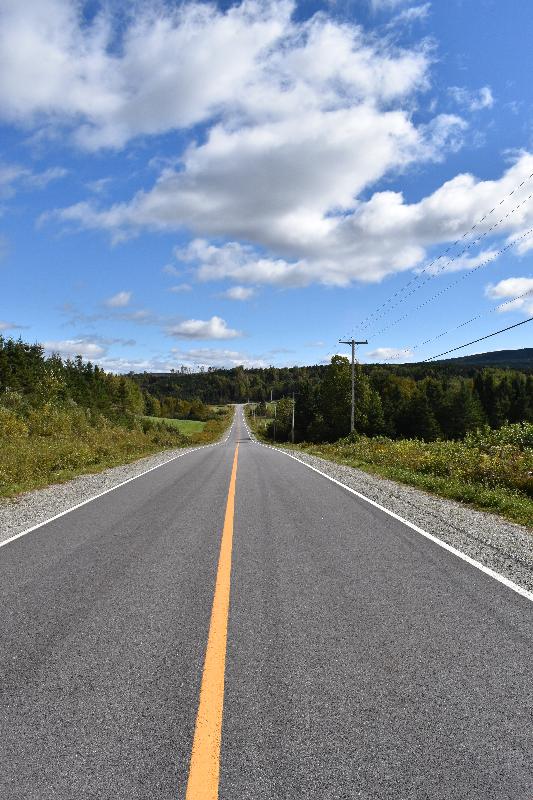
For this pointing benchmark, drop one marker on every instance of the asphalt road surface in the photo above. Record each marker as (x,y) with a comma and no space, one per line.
(360,659)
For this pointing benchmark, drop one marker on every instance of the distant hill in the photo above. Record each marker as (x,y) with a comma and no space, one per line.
(514,359)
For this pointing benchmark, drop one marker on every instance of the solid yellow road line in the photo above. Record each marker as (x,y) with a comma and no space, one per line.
(204,769)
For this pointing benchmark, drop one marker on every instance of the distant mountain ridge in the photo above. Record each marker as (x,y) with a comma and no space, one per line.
(515,359)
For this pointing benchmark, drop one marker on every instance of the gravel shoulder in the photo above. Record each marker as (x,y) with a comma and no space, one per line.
(31,508)
(503,546)
(500,545)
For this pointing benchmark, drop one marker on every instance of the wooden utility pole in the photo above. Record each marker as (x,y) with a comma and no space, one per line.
(292,426)
(352,342)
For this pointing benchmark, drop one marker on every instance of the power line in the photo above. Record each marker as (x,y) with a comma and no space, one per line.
(416,278)
(482,339)
(453,283)
(457,256)
(408,350)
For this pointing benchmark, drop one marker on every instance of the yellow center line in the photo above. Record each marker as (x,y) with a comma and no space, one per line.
(204,768)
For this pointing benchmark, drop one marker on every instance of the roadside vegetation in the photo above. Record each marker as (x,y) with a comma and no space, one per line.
(490,468)
(185,426)
(59,419)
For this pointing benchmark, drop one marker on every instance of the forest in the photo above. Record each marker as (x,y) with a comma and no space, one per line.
(425,401)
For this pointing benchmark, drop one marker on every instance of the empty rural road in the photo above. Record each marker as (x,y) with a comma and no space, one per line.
(360,659)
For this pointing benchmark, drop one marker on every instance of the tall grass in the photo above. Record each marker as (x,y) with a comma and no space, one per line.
(54,442)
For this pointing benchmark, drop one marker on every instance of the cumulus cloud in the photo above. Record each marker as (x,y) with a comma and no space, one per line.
(300,120)
(70,348)
(119,300)
(509,288)
(164,68)
(312,243)
(239,293)
(385,235)
(214,328)
(172,66)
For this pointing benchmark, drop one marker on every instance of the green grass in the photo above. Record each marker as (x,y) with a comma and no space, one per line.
(195,431)
(185,426)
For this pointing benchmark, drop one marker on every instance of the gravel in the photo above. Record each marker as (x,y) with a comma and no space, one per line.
(503,546)
(32,508)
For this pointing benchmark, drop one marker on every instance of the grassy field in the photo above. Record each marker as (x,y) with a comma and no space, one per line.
(490,470)
(185,426)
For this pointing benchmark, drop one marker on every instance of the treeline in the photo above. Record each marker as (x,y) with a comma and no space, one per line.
(436,401)
(400,407)
(62,418)
(236,385)
(25,370)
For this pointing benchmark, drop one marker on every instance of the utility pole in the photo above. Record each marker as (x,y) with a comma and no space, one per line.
(352,342)
(292,428)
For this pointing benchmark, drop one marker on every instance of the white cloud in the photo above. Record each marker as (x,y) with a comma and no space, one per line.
(302,119)
(239,293)
(166,68)
(99,186)
(192,359)
(157,69)
(10,326)
(209,357)
(180,287)
(463,262)
(170,269)
(411,14)
(509,288)
(390,354)
(214,328)
(15,176)
(69,348)
(380,5)
(472,101)
(303,239)
(119,300)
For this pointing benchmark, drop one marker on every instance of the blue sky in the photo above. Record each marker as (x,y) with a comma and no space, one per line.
(215,185)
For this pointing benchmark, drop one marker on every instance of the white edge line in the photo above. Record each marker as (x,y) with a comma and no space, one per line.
(463,556)
(112,489)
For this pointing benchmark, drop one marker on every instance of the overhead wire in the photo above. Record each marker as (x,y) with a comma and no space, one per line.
(367,320)
(475,341)
(451,285)
(412,348)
